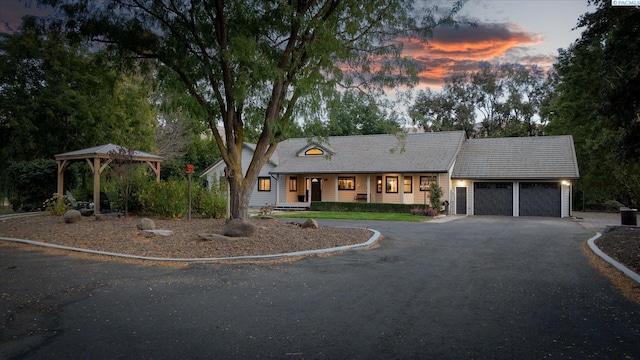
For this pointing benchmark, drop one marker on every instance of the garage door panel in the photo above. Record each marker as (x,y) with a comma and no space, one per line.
(492,198)
(540,199)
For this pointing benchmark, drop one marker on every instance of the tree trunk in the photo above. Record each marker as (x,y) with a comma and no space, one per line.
(240,191)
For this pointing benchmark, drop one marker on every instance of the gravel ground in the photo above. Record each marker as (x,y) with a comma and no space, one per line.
(120,235)
(623,245)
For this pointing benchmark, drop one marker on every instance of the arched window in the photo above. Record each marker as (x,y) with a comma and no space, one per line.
(314,151)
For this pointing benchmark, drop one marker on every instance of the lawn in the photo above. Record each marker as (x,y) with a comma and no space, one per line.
(352,216)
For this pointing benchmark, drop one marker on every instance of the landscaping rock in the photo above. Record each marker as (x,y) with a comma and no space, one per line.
(72,216)
(146,224)
(152,233)
(239,228)
(310,224)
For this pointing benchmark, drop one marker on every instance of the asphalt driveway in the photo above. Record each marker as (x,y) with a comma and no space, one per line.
(478,287)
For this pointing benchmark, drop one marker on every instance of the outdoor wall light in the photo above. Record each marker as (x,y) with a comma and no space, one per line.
(565,183)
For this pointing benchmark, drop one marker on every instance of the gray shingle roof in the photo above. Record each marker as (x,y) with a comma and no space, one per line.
(545,157)
(104,150)
(426,152)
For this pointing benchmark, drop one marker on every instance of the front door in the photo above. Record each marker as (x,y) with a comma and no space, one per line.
(316,189)
(461,200)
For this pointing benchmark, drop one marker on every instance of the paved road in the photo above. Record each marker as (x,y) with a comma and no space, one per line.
(479,287)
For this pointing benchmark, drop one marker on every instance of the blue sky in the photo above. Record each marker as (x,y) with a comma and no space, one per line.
(525,31)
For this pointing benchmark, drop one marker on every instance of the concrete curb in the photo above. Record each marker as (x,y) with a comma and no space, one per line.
(605,257)
(367,244)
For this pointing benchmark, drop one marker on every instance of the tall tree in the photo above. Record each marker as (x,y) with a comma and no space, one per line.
(596,100)
(56,97)
(268,55)
(353,113)
(507,97)
(442,111)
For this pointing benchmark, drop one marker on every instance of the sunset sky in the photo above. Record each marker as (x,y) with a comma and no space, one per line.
(524,31)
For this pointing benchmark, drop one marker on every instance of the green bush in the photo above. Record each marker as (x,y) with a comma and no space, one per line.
(165,198)
(171,199)
(361,207)
(608,206)
(32,182)
(435,196)
(57,205)
(208,204)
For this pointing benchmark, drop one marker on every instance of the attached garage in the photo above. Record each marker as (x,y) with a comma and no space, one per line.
(540,199)
(493,198)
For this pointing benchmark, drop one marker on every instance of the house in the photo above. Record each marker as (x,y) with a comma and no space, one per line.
(507,176)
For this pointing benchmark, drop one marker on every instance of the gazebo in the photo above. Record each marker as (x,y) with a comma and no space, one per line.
(98,158)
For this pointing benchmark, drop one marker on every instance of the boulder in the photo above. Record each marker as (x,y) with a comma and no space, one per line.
(152,233)
(310,224)
(72,216)
(146,224)
(239,228)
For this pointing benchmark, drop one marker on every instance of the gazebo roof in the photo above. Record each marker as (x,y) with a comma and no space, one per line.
(104,151)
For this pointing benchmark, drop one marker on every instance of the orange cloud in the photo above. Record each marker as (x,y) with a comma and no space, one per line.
(454,49)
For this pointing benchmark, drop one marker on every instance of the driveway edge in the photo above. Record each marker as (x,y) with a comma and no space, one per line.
(630,273)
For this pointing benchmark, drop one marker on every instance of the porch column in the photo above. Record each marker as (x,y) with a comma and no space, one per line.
(277,189)
(368,188)
(401,188)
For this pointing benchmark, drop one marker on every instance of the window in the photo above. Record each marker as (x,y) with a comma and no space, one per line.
(314,151)
(392,184)
(346,183)
(264,184)
(293,183)
(426,182)
(408,184)
(379,184)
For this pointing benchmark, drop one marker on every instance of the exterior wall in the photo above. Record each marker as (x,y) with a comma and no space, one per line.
(260,198)
(566,199)
(286,195)
(452,201)
(215,174)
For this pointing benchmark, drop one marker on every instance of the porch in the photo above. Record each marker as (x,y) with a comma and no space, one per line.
(297,191)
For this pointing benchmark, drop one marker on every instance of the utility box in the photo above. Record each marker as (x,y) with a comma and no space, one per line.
(628,216)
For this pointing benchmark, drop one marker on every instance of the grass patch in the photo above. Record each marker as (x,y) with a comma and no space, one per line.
(352,216)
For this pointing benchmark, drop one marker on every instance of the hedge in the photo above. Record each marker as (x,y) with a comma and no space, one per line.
(362,207)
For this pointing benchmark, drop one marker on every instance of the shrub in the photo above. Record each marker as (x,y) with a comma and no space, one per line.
(164,198)
(425,212)
(209,204)
(32,182)
(56,205)
(609,205)
(435,196)
(361,207)
(171,199)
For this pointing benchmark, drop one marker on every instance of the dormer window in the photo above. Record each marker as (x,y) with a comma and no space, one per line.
(314,151)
